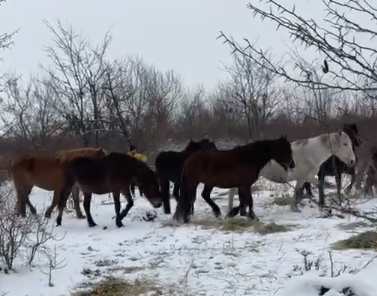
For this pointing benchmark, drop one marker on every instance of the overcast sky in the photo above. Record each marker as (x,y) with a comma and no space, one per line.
(170,34)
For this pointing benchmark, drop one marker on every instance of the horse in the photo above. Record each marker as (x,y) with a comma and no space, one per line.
(333,166)
(113,173)
(46,172)
(237,167)
(308,155)
(169,166)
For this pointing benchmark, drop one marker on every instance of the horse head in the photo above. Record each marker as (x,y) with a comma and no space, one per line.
(193,146)
(343,148)
(353,132)
(283,153)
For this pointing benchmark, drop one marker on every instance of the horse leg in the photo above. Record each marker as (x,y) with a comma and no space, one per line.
(25,200)
(206,194)
(130,204)
(118,219)
(176,189)
(55,201)
(87,201)
(76,202)
(321,191)
(353,179)
(297,196)
(132,187)
(308,188)
(165,192)
(247,197)
(63,196)
(240,209)
(186,200)
(338,180)
(243,203)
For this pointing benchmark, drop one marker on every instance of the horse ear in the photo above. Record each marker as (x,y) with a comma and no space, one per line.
(340,132)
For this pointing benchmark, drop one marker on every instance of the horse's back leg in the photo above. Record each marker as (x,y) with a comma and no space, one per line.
(76,202)
(23,199)
(206,194)
(130,204)
(298,195)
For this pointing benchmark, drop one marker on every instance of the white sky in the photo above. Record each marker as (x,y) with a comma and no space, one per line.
(171,34)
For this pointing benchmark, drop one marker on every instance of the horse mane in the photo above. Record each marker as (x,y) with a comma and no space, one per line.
(65,156)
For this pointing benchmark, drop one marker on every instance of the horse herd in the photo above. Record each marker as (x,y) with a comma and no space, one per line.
(96,171)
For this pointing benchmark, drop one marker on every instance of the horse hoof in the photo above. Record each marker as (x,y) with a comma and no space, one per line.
(92,224)
(120,224)
(81,217)
(47,216)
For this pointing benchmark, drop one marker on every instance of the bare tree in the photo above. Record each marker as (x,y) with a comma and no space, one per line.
(80,71)
(254,92)
(350,65)
(28,113)
(5,38)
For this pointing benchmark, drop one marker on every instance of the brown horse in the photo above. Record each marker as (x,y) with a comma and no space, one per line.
(113,173)
(46,172)
(238,167)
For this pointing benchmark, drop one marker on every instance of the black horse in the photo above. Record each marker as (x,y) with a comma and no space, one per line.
(334,167)
(169,166)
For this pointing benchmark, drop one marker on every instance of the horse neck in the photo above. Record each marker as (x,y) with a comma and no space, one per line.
(253,155)
(318,149)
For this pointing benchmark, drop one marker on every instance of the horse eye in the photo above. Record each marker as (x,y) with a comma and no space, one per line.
(345,144)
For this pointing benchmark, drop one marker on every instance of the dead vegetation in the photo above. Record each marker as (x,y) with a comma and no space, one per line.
(285,200)
(119,287)
(241,225)
(365,240)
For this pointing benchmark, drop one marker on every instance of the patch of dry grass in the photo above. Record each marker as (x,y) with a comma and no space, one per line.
(365,240)
(119,287)
(283,201)
(241,225)
(353,225)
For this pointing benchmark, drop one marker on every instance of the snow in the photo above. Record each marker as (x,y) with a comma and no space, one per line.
(196,260)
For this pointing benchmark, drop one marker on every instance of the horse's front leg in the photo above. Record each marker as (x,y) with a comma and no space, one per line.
(307,186)
(338,181)
(247,198)
(298,195)
(206,194)
(353,179)
(87,201)
(130,204)
(176,189)
(165,193)
(118,219)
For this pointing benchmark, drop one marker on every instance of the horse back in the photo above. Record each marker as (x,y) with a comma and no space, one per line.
(169,164)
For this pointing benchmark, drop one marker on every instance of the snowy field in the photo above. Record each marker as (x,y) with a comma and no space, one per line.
(191,260)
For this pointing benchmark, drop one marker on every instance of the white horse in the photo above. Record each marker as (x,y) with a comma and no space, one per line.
(308,155)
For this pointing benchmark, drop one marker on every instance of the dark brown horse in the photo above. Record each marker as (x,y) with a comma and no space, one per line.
(238,167)
(113,173)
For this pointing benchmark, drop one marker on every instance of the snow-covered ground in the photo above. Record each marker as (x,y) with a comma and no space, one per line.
(195,260)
